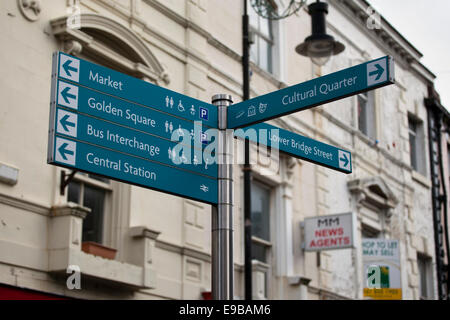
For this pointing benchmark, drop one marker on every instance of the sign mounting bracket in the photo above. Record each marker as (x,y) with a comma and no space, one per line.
(64,182)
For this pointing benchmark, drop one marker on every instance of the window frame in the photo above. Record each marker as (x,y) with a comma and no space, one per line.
(417,150)
(425,274)
(368,232)
(258,34)
(85,179)
(267,243)
(368,125)
(271,187)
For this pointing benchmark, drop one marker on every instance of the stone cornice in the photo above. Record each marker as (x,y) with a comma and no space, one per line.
(386,36)
(70,209)
(143,232)
(24,204)
(183,250)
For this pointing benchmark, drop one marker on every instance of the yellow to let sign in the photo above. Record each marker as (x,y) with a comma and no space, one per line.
(383,293)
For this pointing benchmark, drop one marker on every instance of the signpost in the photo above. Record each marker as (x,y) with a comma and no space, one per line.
(101,123)
(381,269)
(338,85)
(108,123)
(298,146)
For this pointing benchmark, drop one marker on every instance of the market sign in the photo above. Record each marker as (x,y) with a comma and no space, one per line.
(329,232)
(381,269)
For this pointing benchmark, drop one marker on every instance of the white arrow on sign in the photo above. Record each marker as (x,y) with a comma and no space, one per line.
(345,160)
(65,151)
(67,123)
(376,72)
(67,95)
(69,68)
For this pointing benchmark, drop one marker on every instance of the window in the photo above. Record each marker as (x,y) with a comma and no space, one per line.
(416,144)
(261,245)
(425,286)
(261,51)
(260,222)
(90,191)
(368,232)
(366,114)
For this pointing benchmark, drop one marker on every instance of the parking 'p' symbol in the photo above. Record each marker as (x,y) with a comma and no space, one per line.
(203,113)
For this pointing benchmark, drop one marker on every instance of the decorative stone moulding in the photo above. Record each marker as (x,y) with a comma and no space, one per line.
(146,66)
(73,47)
(30,9)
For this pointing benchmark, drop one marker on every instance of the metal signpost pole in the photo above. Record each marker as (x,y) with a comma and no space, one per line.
(247,167)
(222,214)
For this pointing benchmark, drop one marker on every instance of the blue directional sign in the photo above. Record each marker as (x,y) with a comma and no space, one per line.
(107,123)
(132,115)
(123,167)
(120,85)
(334,86)
(298,146)
(123,139)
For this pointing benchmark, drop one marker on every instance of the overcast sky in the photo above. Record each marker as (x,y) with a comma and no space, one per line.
(424,24)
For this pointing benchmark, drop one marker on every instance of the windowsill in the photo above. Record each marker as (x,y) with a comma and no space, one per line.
(267,75)
(261,241)
(418,177)
(259,266)
(118,272)
(365,138)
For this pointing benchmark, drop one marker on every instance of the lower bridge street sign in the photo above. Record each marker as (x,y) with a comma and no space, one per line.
(298,146)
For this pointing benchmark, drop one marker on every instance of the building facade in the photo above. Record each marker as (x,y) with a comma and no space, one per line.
(162,243)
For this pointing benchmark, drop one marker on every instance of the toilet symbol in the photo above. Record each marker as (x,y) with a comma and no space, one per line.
(170,153)
(195,160)
(166,125)
(170,127)
(167,101)
(192,110)
(171,102)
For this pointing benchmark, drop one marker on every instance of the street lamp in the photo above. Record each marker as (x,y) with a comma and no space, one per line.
(319,46)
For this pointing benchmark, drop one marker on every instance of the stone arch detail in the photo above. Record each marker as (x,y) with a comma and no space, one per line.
(374,190)
(112,41)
